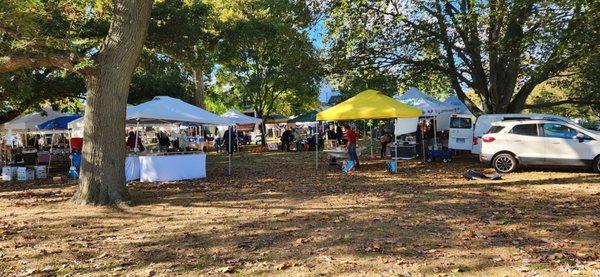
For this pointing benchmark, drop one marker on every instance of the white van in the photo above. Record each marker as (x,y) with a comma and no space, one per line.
(461,132)
(459,128)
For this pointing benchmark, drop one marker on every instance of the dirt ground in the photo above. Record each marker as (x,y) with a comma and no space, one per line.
(277,215)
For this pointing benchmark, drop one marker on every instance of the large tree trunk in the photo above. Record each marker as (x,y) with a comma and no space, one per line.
(263,127)
(263,131)
(102,179)
(198,87)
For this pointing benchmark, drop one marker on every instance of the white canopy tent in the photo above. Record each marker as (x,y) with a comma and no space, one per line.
(239,118)
(158,111)
(27,122)
(430,106)
(165,109)
(76,126)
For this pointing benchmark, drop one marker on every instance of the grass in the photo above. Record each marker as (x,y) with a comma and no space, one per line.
(277,215)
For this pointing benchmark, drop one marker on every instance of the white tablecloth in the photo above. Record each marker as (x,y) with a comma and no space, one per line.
(132,168)
(172,167)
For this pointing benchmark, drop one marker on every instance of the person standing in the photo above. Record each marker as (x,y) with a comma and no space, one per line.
(352,137)
(163,141)
(286,139)
(384,139)
(339,134)
(229,140)
(218,142)
(131,142)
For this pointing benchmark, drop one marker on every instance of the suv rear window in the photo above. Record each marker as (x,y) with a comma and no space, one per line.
(525,130)
(495,129)
(460,123)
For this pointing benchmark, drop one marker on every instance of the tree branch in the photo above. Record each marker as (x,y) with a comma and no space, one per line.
(575,101)
(19,61)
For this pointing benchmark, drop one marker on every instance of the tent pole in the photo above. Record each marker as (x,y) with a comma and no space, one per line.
(422,141)
(70,147)
(435,133)
(317,147)
(229,151)
(137,126)
(372,156)
(49,154)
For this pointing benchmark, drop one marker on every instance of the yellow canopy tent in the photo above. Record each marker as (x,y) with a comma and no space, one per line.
(369,104)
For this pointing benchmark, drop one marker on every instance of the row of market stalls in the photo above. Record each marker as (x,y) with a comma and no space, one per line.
(185,122)
(144,120)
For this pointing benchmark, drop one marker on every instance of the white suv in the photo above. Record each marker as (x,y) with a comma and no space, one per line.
(509,144)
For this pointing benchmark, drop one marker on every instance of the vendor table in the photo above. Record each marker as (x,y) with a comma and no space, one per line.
(172,167)
(342,153)
(132,168)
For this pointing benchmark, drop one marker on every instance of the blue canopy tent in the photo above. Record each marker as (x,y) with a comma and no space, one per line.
(454,100)
(59,123)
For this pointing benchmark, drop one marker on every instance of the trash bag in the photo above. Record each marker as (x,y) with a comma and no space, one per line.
(473,174)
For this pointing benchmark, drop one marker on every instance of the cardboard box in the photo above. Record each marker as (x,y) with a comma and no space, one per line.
(25,174)
(9,173)
(40,172)
(21,173)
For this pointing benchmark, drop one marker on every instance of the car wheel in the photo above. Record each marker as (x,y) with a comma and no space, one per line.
(504,163)
(446,160)
(597,165)
(429,160)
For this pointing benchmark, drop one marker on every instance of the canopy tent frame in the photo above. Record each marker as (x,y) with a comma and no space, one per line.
(367,105)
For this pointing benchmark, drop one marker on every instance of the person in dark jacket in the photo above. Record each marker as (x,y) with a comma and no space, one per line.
(286,138)
(163,141)
(131,142)
(340,134)
(226,141)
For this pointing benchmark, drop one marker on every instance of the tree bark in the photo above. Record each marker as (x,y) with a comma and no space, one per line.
(199,87)
(102,179)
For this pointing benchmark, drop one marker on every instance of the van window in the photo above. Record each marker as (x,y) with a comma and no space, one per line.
(460,123)
(495,129)
(525,130)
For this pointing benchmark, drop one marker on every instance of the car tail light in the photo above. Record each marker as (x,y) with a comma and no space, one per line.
(488,139)
(475,140)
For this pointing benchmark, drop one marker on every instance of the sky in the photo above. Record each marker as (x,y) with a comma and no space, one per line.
(317,33)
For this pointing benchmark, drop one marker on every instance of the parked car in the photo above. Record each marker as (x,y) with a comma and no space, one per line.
(465,135)
(510,144)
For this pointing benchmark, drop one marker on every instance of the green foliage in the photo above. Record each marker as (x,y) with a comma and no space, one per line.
(181,29)
(261,47)
(159,75)
(268,61)
(499,49)
(25,89)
